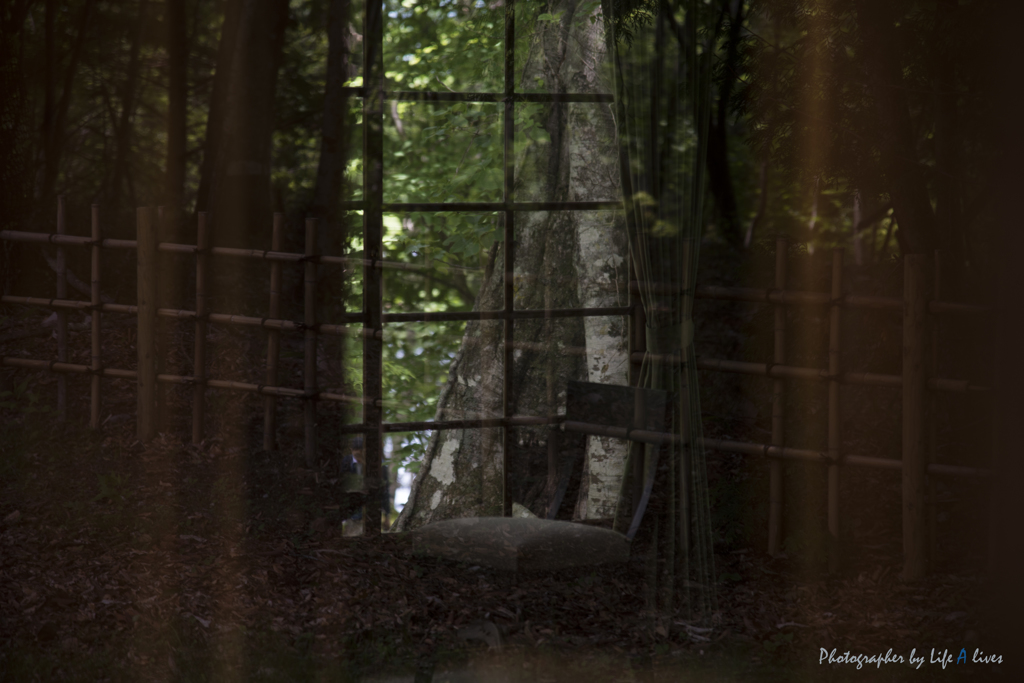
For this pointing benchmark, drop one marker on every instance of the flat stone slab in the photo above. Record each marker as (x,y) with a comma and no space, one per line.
(520,544)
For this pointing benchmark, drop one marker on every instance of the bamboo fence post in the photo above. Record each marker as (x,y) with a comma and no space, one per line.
(640,340)
(549,379)
(62,315)
(373,246)
(163,325)
(775,491)
(680,537)
(199,350)
(309,370)
(146,338)
(273,339)
(833,411)
(915,457)
(933,400)
(94,398)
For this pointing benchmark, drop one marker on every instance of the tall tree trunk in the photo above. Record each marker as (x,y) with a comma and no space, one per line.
(762,206)
(46,132)
(720,179)
(601,255)
(719,174)
(334,148)
(948,188)
(218,96)
(904,173)
(177,102)
(120,182)
(563,260)
(1005,599)
(55,110)
(16,137)
(239,170)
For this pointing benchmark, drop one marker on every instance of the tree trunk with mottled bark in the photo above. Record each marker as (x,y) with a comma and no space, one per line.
(236,165)
(562,260)
(330,172)
(908,185)
(177,108)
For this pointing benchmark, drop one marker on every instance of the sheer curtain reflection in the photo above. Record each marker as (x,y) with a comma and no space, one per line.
(662,75)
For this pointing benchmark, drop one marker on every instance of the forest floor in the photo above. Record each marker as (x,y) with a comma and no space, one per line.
(167,561)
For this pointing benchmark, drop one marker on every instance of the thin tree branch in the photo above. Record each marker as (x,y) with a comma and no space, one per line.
(77,284)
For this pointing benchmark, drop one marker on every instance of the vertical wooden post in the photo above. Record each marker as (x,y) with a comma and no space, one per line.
(309,370)
(62,315)
(94,398)
(508,251)
(273,339)
(551,394)
(199,348)
(146,338)
(915,457)
(636,449)
(933,344)
(373,248)
(680,538)
(163,325)
(775,491)
(834,434)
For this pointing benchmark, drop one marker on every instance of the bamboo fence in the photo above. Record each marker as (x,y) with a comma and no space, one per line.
(917,465)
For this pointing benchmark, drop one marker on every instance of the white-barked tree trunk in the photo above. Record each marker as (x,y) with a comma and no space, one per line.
(563,260)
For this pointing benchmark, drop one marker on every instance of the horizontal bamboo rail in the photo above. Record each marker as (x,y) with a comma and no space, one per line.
(247,387)
(474,423)
(191,249)
(496,97)
(67,303)
(519,314)
(787,453)
(642,435)
(775,296)
(776,371)
(74,240)
(57,366)
(338,330)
